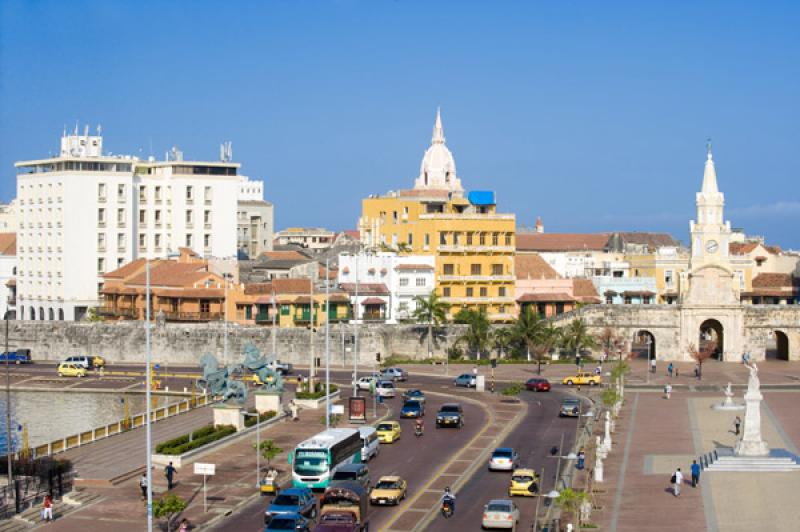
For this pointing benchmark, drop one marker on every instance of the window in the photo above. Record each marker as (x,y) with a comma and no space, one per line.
(101,265)
(120,240)
(469,239)
(394,216)
(501,309)
(158,193)
(403,306)
(120,216)
(495,237)
(188,241)
(142,194)
(469,291)
(158,241)
(101,191)
(208,195)
(484,292)
(427,240)
(101,216)
(142,240)
(410,240)
(482,239)
(205,306)
(120,262)
(404,281)
(207,241)
(740,275)
(497,269)
(448,269)
(475,269)
(121,191)
(142,217)
(446,291)
(442,238)
(501,292)
(508,239)
(420,281)
(669,278)
(101,241)
(189,194)
(158,217)
(207,217)
(456,238)
(189,217)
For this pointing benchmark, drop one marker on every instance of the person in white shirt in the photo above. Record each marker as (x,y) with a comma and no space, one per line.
(677,480)
(652,365)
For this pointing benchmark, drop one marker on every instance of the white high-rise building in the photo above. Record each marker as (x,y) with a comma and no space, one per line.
(83,213)
(256,219)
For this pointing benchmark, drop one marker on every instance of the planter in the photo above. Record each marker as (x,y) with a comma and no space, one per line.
(316,403)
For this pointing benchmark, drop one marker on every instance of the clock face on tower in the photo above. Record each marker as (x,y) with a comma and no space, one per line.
(712,246)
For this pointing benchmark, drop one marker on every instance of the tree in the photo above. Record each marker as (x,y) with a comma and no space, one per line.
(269,450)
(608,339)
(503,337)
(431,310)
(701,355)
(576,335)
(168,507)
(479,333)
(571,501)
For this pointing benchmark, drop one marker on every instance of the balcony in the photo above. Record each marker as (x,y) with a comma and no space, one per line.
(458,248)
(478,300)
(476,278)
(192,316)
(264,318)
(110,312)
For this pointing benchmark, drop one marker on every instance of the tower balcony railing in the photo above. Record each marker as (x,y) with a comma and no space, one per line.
(476,278)
(460,248)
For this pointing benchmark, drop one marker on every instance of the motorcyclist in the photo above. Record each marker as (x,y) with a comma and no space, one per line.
(419,425)
(450,498)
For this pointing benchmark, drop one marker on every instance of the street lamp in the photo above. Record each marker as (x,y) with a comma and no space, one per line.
(8,415)
(327,347)
(225,278)
(648,341)
(258,444)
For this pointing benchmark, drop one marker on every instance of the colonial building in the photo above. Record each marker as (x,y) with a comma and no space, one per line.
(255,220)
(84,213)
(313,238)
(473,244)
(8,275)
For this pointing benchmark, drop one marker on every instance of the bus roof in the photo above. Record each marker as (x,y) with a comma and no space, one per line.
(326,438)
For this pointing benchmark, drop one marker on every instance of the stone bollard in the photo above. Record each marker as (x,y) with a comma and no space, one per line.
(598,462)
(607,438)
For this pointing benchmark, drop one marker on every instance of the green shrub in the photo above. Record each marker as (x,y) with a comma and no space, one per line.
(249,421)
(180,440)
(319,394)
(513,389)
(185,445)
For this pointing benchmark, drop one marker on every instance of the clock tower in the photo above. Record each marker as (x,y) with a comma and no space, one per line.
(710,233)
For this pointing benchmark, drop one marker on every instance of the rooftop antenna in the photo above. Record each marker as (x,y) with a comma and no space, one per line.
(99,130)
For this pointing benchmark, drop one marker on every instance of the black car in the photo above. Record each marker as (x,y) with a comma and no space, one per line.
(450,415)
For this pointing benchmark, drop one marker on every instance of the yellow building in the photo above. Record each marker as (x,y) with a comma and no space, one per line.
(473,244)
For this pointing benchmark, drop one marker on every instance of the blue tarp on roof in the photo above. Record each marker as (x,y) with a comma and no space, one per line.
(481,197)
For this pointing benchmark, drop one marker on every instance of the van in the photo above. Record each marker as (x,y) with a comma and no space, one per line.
(370,447)
(82,360)
(354,473)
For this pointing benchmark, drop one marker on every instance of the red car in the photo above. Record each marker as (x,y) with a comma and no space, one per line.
(538,385)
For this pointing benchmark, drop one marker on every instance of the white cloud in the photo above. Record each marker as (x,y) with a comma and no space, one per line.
(770,210)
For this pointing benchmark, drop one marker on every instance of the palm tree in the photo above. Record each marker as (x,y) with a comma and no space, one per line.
(431,310)
(536,334)
(576,335)
(571,501)
(503,337)
(479,332)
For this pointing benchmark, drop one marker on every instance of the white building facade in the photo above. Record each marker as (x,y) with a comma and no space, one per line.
(8,275)
(82,214)
(406,277)
(255,219)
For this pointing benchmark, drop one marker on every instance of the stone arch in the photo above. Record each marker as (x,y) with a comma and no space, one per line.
(61,314)
(711,330)
(639,344)
(41,313)
(32,313)
(778,346)
(51,315)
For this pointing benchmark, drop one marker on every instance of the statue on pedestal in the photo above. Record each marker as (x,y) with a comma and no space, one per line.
(269,379)
(751,443)
(220,381)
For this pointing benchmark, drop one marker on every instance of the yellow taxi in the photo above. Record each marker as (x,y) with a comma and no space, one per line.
(68,369)
(98,361)
(388,490)
(524,482)
(582,378)
(388,431)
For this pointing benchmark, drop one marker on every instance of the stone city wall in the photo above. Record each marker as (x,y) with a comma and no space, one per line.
(186,343)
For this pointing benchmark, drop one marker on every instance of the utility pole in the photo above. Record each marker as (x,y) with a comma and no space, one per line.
(327,348)
(312,371)
(274,317)
(355,332)
(9,447)
(148,406)
(225,277)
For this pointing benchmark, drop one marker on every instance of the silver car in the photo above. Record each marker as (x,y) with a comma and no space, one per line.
(504,459)
(500,513)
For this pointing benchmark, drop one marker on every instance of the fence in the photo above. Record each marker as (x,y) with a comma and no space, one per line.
(27,491)
(118,427)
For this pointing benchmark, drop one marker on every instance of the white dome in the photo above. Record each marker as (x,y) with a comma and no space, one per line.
(438,168)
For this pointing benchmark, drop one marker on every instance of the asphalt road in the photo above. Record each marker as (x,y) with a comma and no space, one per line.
(540,430)
(414,459)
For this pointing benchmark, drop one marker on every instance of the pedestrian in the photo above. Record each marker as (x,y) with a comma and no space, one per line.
(676,372)
(598,370)
(581,459)
(47,511)
(143,485)
(669,369)
(653,365)
(169,472)
(677,480)
(293,409)
(737,423)
(475,370)
(667,390)
(578,360)
(697,372)
(695,473)
(184,525)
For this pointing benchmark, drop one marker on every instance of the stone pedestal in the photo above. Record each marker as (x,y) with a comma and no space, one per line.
(480,383)
(228,415)
(266,401)
(751,443)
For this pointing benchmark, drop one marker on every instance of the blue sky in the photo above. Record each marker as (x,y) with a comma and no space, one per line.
(592,115)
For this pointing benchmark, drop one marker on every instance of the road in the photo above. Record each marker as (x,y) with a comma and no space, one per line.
(414,459)
(540,430)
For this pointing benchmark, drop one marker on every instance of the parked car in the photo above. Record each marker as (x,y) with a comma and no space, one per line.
(292,501)
(524,482)
(538,384)
(500,513)
(503,459)
(294,522)
(450,415)
(385,389)
(365,383)
(412,409)
(465,379)
(389,431)
(68,369)
(396,374)
(389,490)
(414,395)
(570,407)
(353,472)
(582,378)
(20,356)
(370,447)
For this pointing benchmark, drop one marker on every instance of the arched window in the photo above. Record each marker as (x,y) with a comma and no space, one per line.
(51,315)
(61,314)
(41,313)
(33,313)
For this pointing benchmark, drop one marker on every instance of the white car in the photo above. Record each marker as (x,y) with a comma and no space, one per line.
(500,513)
(385,389)
(503,459)
(365,383)
(395,374)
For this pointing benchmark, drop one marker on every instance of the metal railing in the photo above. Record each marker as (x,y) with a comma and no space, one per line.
(192,316)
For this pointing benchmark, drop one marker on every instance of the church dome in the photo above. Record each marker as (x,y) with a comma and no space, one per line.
(438,168)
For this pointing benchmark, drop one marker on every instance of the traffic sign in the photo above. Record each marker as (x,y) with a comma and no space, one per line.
(204,469)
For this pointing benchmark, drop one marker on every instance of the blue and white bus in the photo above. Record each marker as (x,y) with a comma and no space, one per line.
(315,460)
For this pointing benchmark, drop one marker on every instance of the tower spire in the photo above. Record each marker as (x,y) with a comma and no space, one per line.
(710,173)
(438,130)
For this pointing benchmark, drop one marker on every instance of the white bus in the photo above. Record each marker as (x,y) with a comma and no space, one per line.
(315,460)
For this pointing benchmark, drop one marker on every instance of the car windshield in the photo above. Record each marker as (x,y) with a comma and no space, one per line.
(386,385)
(413,393)
(286,500)
(570,402)
(449,409)
(281,523)
(502,454)
(411,404)
(521,478)
(311,462)
(388,485)
(344,475)
(385,426)
(336,518)
(498,507)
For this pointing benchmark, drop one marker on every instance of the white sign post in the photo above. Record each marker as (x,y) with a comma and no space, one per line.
(205,470)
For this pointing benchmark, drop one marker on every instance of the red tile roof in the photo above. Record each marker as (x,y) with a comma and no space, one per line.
(743,248)
(561,241)
(582,288)
(545,298)
(284,255)
(179,274)
(373,301)
(365,288)
(413,267)
(8,243)
(126,270)
(292,286)
(774,280)
(533,267)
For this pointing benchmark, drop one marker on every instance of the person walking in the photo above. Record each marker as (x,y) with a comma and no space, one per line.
(677,480)
(47,511)
(184,525)
(737,424)
(669,369)
(695,473)
(170,472)
(581,459)
(653,365)
(143,485)
(667,391)
(293,409)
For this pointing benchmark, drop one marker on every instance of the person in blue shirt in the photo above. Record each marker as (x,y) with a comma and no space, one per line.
(695,473)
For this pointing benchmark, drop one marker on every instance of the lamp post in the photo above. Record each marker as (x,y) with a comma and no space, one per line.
(148,376)
(225,277)
(8,415)
(355,332)
(648,341)
(327,348)
(274,317)
(258,444)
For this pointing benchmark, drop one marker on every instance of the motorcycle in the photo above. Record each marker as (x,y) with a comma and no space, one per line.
(447,508)
(417,430)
